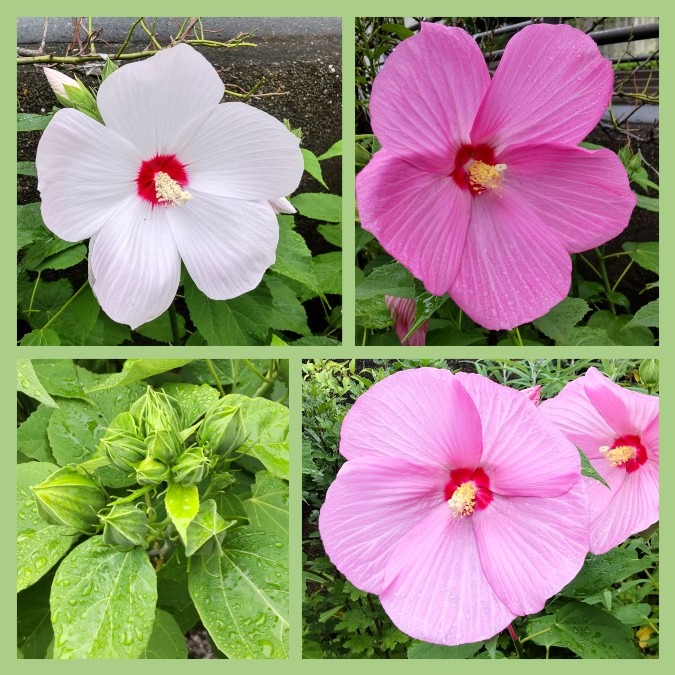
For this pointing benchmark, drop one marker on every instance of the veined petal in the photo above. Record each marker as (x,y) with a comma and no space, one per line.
(240,152)
(420,218)
(85,173)
(436,589)
(513,268)
(572,412)
(582,195)
(403,315)
(150,102)
(530,548)
(551,86)
(426,95)
(135,264)
(226,244)
(423,415)
(371,504)
(523,455)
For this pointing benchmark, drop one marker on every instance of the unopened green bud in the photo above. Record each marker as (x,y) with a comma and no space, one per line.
(120,443)
(69,498)
(155,411)
(125,526)
(152,471)
(649,373)
(223,429)
(164,445)
(207,530)
(71,93)
(191,467)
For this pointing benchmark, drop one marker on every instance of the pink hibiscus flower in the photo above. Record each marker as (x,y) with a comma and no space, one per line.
(458,505)
(618,430)
(480,189)
(174,175)
(403,315)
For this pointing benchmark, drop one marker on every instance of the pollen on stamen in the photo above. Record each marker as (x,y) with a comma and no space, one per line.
(484,176)
(619,455)
(169,191)
(463,500)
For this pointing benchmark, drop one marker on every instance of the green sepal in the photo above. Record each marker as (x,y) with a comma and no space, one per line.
(191,467)
(152,471)
(223,430)
(125,526)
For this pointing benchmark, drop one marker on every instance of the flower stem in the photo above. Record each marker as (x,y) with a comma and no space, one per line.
(65,304)
(515,336)
(173,319)
(605,280)
(212,368)
(623,274)
(264,378)
(516,640)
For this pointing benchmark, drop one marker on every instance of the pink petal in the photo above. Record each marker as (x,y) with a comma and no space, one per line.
(533,393)
(423,415)
(523,455)
(582,195)
(426,96)
(530,548)
(626,411)
(572,413)
(419,218)
(632,508)
(372,503)
(403,315)
(650,438)
(226,244)
(150,102)
(551,86)
(134,264)
(436,589)
(85,172)
(240,152)
(513,268)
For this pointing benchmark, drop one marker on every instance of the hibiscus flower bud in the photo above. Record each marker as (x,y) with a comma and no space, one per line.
(155,411)
(191,467)
(206,532)
(69,498)
(71,93)
(125,526)
(223,430)
(121,444)
(151,470)
(164,445)
(649,373)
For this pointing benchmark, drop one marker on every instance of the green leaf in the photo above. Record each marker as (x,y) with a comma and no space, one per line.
(40,338)
(312,166)
(588,470)
(106,332)
(26,169)
(108,69)
(586,336)
(29,224)
(633,615)
(39,307)
(28,382)
(335,150)
(391,279)
(60,378)
(425,306)
(319,206)
(31,437)
(426,650)
(242,597)
(294,259)
(403,32)
(332,234)
(31,122)
(159,329)
(644,253)
(618,331)
(586,630)
(648,315)
(182,505)
(194,399)
(39,546)
(267,508)
(648,203)
(53,254)
(286,311)
(34,627)
(266,424)
(317,341)
(166,640)
(103,602)
(173,594)
(602,571)
(75,325)
(328,271)
(135,370)
(558,323)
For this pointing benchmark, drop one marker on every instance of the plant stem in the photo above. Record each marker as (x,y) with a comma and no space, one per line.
(65,304)
(623,274)
(605,280)
(32,295)
(515,335)
(264,378)
(128,37)
(212,368)
(173,319)
(516,640)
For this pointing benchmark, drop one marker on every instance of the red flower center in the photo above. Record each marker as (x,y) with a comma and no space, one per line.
(475,169)
(168,165)
(626,451)
(468,490)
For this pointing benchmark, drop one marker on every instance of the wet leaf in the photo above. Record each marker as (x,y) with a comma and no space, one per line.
(166,640)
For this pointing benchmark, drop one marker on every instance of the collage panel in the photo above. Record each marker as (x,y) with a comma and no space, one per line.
(152,509)
(179,181)
(507,181)
(480,508)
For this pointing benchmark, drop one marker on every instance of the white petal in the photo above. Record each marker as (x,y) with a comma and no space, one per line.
(135,264)
(241,152)
(151,101)
(226,244)
(282,205)
(85,172)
